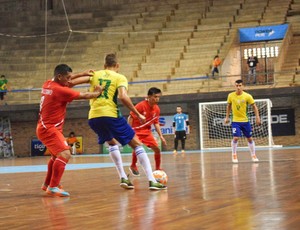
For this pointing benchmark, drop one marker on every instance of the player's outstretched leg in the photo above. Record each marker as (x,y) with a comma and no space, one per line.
(133,168)
(58,169)
(157,157)
(49,173)
(145,162)
(115,155)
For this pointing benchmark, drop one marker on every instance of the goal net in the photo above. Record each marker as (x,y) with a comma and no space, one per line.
(215,134)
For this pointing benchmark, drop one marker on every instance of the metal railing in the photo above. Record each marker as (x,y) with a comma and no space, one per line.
(173,86)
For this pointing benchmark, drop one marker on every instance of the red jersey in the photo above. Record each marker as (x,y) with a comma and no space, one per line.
(54,100)
(151,114)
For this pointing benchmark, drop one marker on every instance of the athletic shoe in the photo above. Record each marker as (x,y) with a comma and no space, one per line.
(126,184)
(45,186)
(156,186)
(254,158)
(55,191)
(234,159)
(175,152)
(134,172)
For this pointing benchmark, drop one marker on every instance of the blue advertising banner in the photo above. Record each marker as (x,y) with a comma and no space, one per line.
(37,147)
(263,33)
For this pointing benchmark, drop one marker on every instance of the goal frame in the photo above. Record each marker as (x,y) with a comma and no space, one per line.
(269,118)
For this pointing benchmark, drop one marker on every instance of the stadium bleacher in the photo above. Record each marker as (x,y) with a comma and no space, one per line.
(158,41)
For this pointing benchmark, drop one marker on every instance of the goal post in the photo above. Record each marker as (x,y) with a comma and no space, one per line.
(215,134)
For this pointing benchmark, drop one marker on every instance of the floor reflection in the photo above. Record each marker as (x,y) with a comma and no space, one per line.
(56,210)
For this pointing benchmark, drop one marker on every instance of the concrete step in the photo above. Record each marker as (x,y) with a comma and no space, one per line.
(161,57)
(197,5)
(174,36)
(221,21)
(163,74)
(183,23)
(158,67)
(206,40)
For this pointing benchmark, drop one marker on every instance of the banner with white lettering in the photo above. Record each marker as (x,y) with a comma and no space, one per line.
(263,33)
(166,125)
(283,122)
(39,149)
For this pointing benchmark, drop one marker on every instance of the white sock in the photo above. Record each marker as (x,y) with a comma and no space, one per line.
(115,155)
(145,162)
(234,146)
(252,147)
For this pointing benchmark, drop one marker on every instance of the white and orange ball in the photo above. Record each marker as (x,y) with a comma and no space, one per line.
(160,176)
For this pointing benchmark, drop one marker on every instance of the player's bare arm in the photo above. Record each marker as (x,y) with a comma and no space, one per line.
(82,74)
(157,128)
(129,120)
(79,80)
(125,99)
(228,109)
(8,87)
(256,112)
(90,95)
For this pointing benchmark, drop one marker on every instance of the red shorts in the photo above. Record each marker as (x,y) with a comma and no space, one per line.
(147,139)
(53,139)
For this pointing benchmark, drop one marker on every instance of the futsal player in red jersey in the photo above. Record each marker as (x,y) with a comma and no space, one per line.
(151,111)
(56,94)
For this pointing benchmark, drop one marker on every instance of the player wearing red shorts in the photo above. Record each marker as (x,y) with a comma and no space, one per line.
(151,111)
(56,94)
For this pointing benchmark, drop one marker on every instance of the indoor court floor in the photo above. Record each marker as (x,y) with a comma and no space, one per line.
(205,191)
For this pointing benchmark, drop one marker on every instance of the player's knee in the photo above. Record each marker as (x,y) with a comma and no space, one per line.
(250,140)
(135,142)
(112,142)
(65,154)
(155,149)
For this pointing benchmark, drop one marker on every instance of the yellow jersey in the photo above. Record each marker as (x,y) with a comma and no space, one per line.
(239,106)
(106,105)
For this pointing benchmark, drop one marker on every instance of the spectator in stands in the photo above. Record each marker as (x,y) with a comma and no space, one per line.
(252,64)
(71,140)
(216,64)
(4,87)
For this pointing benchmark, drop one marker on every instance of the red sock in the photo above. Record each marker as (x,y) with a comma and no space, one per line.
(157,157)
(134,160)
(58,170)
(49,172)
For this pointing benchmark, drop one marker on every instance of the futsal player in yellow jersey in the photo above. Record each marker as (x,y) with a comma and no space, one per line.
(238,102)
(107,122)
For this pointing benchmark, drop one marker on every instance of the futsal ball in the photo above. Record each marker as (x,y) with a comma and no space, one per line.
(160,176)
